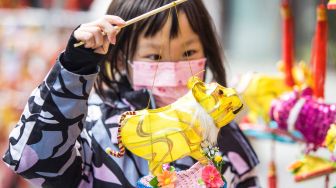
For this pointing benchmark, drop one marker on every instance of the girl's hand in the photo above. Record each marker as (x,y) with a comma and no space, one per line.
(99,34)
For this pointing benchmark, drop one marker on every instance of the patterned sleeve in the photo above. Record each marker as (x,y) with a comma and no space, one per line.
(240,156)
(43,147)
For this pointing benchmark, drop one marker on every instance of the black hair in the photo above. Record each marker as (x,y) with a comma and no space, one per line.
(127,40)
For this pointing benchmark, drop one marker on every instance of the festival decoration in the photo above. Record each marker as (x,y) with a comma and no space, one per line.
(309,167)
(198,176)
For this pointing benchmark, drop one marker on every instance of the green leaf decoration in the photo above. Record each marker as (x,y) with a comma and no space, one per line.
(154,182)
(200,181)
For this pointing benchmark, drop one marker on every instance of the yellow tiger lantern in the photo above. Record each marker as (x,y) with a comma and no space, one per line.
(172,132)
(262,89)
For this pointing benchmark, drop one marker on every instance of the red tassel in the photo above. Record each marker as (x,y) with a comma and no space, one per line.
(272,178)
(326,181)
(272,174)
(287,42)
(319,53)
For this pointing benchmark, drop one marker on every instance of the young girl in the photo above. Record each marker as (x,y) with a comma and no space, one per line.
(61,138)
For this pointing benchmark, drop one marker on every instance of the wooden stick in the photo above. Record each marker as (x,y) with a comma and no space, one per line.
(143,16)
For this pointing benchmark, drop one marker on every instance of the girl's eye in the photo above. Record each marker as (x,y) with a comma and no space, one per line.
(154,57)
(189,53)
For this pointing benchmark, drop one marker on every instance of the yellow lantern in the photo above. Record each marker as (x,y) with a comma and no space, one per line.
(172,132)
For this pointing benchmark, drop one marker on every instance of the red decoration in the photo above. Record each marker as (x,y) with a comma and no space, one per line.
(319,52)
(272,178)
(287,42)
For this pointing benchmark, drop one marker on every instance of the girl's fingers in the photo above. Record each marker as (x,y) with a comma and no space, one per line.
(115,20)
(82,36)
(92,34)
(85,37)
(104,48)
(90,43)
(108,29)
(108,24)
(98,35)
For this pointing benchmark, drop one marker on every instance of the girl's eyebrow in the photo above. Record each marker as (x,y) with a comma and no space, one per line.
(155,45)
(191,41)
(151,45)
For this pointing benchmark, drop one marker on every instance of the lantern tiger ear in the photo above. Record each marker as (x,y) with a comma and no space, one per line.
(197,88)
(194,81)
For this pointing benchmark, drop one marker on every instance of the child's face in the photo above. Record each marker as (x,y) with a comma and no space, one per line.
(186,46)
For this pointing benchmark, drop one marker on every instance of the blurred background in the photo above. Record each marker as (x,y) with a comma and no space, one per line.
(34,32)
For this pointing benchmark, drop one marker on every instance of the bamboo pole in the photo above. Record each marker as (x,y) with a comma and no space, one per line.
(143,16)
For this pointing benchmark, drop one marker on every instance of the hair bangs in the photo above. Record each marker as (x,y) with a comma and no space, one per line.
(155,23)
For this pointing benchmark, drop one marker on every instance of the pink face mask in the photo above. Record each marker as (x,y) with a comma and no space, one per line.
(170,80)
